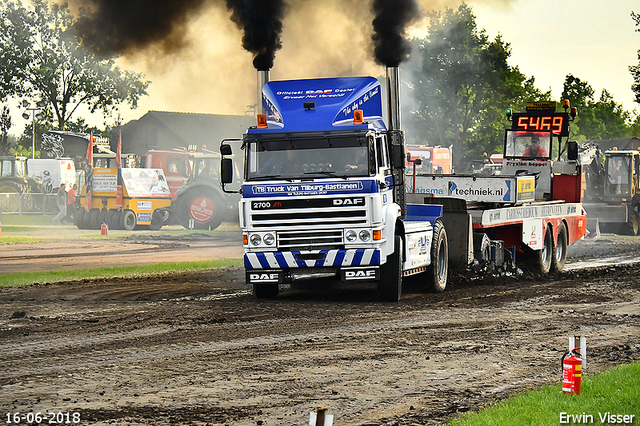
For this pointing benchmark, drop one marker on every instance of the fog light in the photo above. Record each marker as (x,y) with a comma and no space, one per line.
(269,239)
(365,235)
(255,239)
(351,236)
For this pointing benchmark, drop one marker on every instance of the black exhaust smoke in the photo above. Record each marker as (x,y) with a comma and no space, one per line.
(261,21)
(389,26)
(113,27)
(390,49)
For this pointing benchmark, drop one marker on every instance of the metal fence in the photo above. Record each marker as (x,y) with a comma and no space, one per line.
(14,203)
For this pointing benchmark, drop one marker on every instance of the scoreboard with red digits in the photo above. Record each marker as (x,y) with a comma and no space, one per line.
(541,116)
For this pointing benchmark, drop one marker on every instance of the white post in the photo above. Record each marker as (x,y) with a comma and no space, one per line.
(582,344)
(320,418)
(33,141)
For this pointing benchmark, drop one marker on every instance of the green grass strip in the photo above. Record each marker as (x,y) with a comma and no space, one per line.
(615,392)
(19,240)
(27,278)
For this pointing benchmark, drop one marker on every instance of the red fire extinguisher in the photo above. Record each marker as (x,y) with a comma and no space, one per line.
(104,229)
(571,371)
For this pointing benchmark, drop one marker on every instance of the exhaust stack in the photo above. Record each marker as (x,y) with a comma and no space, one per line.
(395,138)
(263,78)
(393,98)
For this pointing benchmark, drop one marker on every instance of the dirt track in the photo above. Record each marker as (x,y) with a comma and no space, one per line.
(199,349)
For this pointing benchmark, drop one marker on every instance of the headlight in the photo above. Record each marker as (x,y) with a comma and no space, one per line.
(351,236)
(255,239)
(365,235)
(269,239)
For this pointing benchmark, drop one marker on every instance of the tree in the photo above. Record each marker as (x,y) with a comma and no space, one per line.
(601,119)
(41,58)
(5,125)
(461,85)
(635,69)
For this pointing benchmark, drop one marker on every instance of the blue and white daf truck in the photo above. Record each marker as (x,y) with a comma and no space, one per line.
(324,192)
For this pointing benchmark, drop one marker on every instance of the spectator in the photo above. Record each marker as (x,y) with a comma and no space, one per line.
(71,204)
(61,202)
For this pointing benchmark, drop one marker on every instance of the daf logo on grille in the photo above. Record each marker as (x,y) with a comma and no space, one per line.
(359,201)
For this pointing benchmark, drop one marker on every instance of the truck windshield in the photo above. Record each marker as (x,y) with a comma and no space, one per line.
(207,168)
(618,169)
(6,167)
(308,158)
(19,165)
(527,144)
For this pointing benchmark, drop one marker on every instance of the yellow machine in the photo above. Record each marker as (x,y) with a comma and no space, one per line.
(135,199)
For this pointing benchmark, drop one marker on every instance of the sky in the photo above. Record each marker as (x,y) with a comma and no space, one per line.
(594,40)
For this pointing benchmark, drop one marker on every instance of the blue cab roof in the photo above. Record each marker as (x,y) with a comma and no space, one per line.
(334,101)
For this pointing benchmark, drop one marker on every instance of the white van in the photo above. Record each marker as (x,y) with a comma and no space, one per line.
(52,172)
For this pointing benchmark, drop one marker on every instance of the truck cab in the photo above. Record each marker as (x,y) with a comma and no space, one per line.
(621,171)
(14,181)
(612,191)
(194,182)
(320,195)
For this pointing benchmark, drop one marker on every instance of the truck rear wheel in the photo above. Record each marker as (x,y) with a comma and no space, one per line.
(102,217)
(266,291)
(128,220)
(202,209)
(114,219)
(540,262)
(439,271)
(560,249)
(10,203)
(78,218)
(93,219)
(390,284)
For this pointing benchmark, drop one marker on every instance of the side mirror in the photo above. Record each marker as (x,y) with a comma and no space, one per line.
(398,155)
(572,150)
(226,170)
(225,149)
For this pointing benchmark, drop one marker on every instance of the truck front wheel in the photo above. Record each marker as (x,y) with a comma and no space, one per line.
(390,284)
(439,271)
(633,226)
(128,220)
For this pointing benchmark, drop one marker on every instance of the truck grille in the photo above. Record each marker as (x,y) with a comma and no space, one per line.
(310,224)
(310,240)
(317,217)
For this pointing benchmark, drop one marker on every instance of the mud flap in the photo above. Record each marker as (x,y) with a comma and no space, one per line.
(533,233)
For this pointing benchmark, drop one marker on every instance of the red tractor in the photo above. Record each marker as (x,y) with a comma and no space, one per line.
(197,198)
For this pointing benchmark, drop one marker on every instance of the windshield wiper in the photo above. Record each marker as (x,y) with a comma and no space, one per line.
(269,177)
(322,172)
